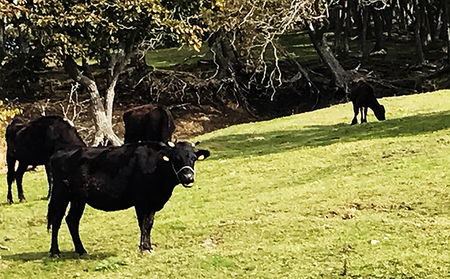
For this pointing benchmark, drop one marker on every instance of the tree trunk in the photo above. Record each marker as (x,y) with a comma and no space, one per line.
(432,16)
(378,23)
(340,76)
(2,51)
(447,27)
(220,54)
(365,23)
(2,42)
(402,6)
(417,33)
(347,27)
(115,69)
(389,17)
(355,15)
(339,17)
(103,124)
(424,24)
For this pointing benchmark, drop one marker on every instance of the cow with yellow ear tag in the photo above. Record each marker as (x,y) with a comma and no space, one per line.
(141,175)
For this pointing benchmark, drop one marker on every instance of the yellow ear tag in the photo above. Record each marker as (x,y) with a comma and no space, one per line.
(165,158)
(201,157)
(171,144)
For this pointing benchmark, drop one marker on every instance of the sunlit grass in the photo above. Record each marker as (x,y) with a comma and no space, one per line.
(170,57)
(304,196)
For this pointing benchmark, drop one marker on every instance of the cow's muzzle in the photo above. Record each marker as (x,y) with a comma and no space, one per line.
(186,176)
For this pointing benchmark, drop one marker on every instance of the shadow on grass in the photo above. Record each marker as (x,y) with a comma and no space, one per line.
(254,144)
(32,256)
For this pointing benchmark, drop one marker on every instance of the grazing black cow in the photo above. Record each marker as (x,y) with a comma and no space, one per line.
(149,122)
(33,143)
(114,178)
(363,97)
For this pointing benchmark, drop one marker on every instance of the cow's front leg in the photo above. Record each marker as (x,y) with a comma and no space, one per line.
(11,175)
(145,219)
(21,169)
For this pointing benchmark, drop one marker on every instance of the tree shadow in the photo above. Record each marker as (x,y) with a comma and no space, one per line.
(32,256)
(255,144)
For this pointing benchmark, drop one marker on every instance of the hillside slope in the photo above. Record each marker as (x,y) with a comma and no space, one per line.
(303,196)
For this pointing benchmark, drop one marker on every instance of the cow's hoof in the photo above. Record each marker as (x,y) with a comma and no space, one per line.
(23,200)
(82,252)
(147,252)
(55,255)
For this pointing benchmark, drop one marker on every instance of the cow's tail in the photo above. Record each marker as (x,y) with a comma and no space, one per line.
(52,208)
(59,200)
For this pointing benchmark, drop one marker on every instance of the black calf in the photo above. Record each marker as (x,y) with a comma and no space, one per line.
(363,97)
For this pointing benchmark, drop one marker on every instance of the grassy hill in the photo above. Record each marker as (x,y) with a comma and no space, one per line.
(304,196)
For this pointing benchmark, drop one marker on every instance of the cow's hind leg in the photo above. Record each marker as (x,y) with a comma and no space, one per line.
(11,176)
(356,111)
(364,114)
(21,169)
(73,222)
(56,210)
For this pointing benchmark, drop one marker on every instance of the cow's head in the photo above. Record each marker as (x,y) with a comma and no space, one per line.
(182,157)
(380,112)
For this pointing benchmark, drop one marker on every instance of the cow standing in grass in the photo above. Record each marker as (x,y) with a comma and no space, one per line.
(33,143)
(149,122)
(142,175)
(363,97)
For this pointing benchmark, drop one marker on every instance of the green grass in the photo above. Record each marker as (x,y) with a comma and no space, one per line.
(169,57)
(304,196)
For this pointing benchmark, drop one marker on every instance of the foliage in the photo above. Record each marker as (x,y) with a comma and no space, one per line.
(304,196)
(88,29)
(6,114)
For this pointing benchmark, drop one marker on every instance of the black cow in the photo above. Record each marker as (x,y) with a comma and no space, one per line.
(33,143)
(142,175)
(149,122)
(363,97)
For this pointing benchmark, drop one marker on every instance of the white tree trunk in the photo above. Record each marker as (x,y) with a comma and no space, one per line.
(103,122)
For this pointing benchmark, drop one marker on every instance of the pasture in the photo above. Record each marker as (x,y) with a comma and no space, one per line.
(304,196)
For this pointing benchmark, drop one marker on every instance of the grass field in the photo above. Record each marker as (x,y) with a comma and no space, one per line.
(304,196)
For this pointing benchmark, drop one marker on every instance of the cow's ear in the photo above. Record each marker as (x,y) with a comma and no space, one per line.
(202,154)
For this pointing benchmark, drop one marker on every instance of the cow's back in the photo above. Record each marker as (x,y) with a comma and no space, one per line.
(149,122)
(34,142)
(362,93)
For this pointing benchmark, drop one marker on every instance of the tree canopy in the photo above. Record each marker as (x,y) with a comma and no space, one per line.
(109,32)
(95,29)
